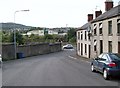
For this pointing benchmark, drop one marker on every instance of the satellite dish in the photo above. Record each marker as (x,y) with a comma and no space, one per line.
(88,29)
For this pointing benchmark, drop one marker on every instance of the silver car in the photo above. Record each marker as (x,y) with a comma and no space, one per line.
(68,46)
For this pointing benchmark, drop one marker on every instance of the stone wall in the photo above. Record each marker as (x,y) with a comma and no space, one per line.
(28,50)
(34,49)
(8,51)
(55,47)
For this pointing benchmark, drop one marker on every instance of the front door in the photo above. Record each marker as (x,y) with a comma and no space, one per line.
(119,47)
(89,50)
(101,46)
(81,49)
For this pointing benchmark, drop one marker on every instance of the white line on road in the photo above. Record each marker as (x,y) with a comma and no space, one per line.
(72,57)
(81,60)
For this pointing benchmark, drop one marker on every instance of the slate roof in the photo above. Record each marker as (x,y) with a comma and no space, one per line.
(85,26)
(109,14)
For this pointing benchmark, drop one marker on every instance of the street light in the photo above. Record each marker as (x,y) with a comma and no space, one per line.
(15,30)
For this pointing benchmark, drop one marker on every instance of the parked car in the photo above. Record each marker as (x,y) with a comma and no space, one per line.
(67,46)
(108,64)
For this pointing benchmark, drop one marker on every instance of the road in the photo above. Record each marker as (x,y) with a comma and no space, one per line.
(0,76)
(55,69)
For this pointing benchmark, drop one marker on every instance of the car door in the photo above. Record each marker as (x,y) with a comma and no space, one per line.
(101,62)
(96,61)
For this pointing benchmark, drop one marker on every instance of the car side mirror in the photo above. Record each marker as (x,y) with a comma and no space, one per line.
(103,59)
(97,58)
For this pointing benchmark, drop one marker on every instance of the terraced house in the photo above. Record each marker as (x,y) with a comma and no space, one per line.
(101,34)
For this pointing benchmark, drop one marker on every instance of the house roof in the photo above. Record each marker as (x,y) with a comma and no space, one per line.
(109,14)
(84,27)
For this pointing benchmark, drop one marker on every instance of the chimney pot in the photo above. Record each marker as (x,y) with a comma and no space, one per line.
(108,5)
(90,17)
(98,13)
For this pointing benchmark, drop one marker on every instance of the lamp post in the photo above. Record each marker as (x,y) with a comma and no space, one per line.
(15,30)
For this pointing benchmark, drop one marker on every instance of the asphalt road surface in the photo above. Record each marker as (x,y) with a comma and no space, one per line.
(55,69)
(0,76)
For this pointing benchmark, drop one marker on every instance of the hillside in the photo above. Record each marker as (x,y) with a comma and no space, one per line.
(9,26)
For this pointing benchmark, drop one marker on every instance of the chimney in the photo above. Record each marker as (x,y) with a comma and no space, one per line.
(90,17)
(108,5)
(98,13)
(119,3)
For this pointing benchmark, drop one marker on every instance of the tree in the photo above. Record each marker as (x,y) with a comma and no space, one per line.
(5,36)
(19,38)
(48,36)
(71,36)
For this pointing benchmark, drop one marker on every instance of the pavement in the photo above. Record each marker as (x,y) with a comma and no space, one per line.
(77,57)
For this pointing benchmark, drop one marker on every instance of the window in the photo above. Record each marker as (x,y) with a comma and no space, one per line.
(118,26)
(95,29)
(109,27)
(115,56)
(81,36)
(89,37)
(95,32)
(100,28)
(105,57)
(78,35)
(100,56)
(95,45)
(109,46)
(89,32)
(85,35)
(85,48)
(78,46)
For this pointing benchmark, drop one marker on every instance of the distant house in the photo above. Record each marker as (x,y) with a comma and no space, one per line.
(36,32)
(103,32)
(62,34)
(51,32)
(42,32)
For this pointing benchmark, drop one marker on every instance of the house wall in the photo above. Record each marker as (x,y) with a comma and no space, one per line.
(115,38)
(83,42)
(51,32)
(105,37)
(36,32)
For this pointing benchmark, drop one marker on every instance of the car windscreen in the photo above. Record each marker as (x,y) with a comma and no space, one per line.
(115,56)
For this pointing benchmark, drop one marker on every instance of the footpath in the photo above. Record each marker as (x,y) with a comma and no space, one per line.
(75,56)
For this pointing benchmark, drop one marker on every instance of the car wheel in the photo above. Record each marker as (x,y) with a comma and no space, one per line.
(92,68)
(105,74)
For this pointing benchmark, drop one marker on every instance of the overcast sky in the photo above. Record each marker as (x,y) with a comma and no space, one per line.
(50,13)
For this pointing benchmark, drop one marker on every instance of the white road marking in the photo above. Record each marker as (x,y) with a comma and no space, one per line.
(81,60)
(72,57)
